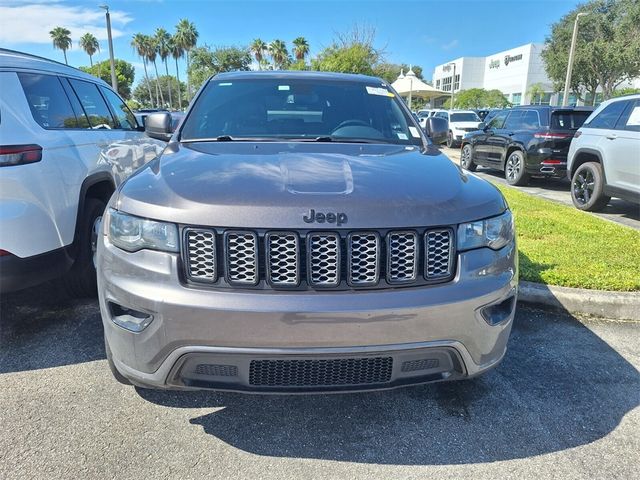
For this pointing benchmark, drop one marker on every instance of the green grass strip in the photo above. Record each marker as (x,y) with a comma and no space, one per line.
(560,245)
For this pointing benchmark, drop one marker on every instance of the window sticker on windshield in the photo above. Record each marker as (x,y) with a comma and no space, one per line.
(634,118)
(225,84)
(284,88)
(402,136)
(379,91)
(414,132)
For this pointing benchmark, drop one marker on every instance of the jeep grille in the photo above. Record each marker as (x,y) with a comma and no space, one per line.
(299,260)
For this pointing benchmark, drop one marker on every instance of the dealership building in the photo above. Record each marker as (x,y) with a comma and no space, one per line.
(511,71)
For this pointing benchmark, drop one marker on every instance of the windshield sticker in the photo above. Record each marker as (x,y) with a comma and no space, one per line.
(402,136)
(414,132)
(383,92)
(634,118)
(284,88)
(226,84)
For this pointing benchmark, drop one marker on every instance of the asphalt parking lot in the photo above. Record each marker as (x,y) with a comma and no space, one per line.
(619,211)
(563,404)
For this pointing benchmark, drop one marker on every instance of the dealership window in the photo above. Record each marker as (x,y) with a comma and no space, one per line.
(456,85)
(438,83)
(446,84)
(516,98)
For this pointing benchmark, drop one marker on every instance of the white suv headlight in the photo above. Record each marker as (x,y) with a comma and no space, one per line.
(495,233)
(134,233)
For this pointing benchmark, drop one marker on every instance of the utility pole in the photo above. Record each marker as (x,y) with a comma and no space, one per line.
(572,51)
(114,79)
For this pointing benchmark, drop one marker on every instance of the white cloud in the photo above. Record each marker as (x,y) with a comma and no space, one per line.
(31,22)
(452,44)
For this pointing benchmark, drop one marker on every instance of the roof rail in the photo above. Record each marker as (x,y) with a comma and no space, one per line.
(8,50)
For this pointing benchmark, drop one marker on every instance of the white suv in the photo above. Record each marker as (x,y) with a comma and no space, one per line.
(604,157)
(461,122)
(66,142)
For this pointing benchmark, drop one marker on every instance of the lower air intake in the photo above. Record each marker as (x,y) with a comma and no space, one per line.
(330,372)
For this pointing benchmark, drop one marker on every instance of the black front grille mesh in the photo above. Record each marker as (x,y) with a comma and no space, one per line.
(288,259)
(322,372)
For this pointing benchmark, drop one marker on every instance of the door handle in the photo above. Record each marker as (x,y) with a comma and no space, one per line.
(613,136)
(511,134)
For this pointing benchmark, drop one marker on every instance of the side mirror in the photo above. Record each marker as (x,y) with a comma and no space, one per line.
(159,126)
(482,126)
(436,129)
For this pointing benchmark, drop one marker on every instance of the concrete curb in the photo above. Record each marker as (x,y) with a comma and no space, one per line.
(615,305)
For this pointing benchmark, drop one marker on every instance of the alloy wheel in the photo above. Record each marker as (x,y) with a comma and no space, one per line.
(513,166)
(583,186)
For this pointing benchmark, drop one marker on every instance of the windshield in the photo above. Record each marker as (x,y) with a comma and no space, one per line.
(465,117)
(280,108)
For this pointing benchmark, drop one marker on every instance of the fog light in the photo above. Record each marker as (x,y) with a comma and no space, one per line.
(498,312)
(129,319)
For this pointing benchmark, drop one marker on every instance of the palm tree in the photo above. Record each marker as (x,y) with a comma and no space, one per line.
(177,52)
(186,36)
(259,48)
(300,48)
(139,44)
(61,40)
(89,43)
(279,53)
(163,38)
(152,54)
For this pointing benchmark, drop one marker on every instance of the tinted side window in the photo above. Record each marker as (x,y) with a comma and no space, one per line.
(498,120)
(514,122)
(47,101)
(630,119)
(608,117)
(93,104)
(530,120)
(125,118)
(568,120)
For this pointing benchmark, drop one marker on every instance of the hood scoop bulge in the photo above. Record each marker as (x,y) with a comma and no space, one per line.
(316,174)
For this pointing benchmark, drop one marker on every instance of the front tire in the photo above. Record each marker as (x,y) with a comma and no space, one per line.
(587,188)
(451,143)
(514,170)
(466,158)
(80,280)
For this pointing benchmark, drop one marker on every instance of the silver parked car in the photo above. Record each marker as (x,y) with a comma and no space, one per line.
(301,234)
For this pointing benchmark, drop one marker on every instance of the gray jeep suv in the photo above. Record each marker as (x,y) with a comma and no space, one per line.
(301,234)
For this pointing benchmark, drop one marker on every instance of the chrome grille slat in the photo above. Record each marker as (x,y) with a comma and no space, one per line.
(363,263)
(438,253)
(283,259)
(201,255)
(402,255)
(323,250)
(242,257)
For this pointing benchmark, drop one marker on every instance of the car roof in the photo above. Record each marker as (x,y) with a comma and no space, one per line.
(12,59)
(296,74)
(551,107)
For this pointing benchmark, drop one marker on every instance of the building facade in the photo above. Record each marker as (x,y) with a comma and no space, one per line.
(513,72)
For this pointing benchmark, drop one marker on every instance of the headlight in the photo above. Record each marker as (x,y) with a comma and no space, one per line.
(134,233)
(493,232)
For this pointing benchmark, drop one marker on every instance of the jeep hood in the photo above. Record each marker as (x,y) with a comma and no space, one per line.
(273,185)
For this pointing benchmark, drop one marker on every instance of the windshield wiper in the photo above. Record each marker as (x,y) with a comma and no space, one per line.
(229,138)
(329,138)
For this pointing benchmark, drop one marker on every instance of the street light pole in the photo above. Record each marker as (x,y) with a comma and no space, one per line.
(572,51)
(453,83)
(114,79)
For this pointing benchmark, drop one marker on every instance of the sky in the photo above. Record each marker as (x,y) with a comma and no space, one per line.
(420,32)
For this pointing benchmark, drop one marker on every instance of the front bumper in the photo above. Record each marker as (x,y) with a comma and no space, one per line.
(205,338)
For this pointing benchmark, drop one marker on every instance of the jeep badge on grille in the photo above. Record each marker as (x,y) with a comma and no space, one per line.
(329,217)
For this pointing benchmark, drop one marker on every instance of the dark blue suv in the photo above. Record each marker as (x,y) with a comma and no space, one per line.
(524,141)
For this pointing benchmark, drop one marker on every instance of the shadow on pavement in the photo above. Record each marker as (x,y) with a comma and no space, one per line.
(560,386)
(41,328)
